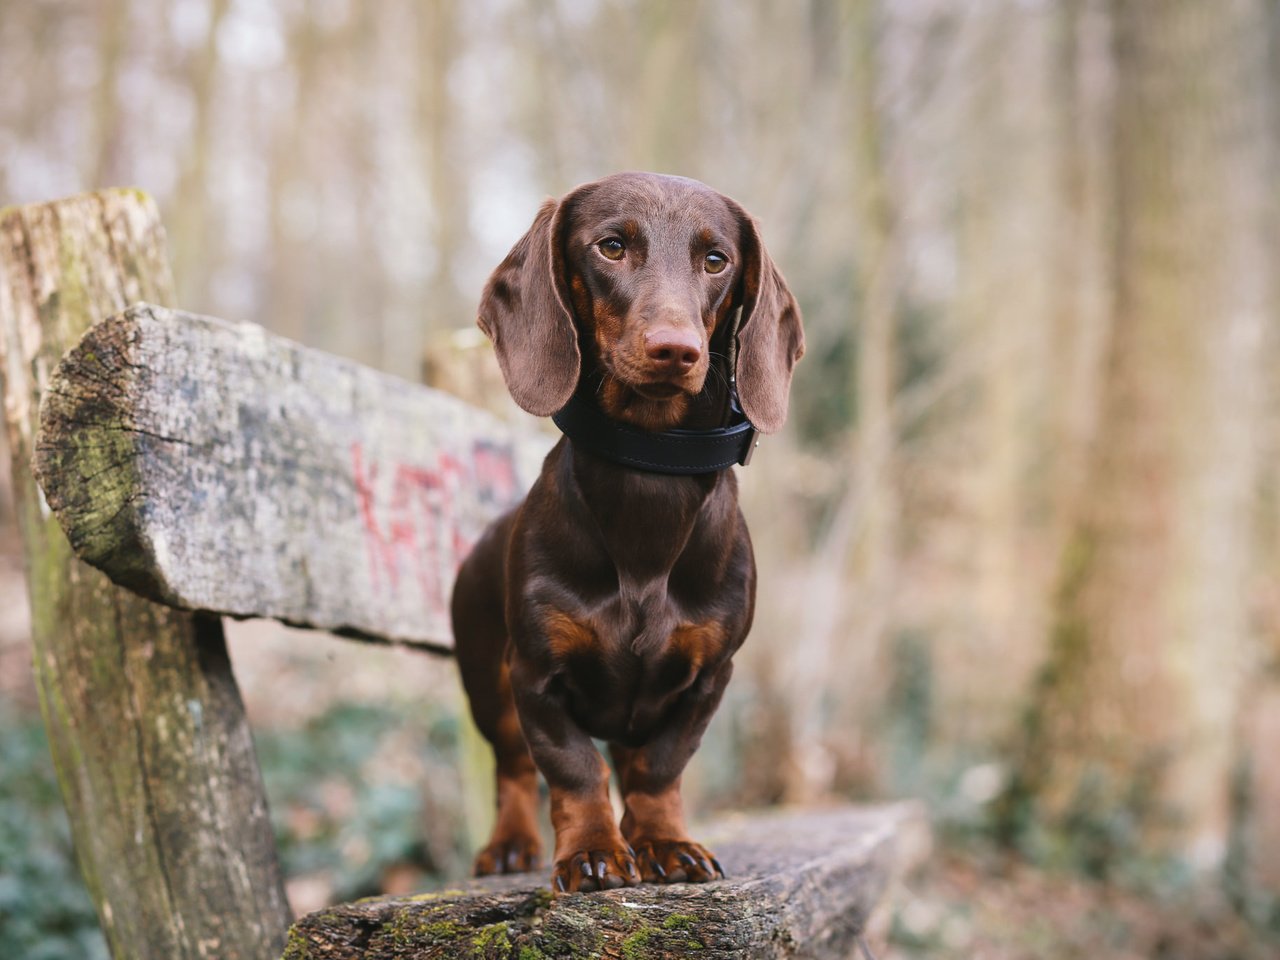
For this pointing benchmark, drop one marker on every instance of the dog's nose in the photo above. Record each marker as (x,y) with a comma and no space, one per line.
(673,349)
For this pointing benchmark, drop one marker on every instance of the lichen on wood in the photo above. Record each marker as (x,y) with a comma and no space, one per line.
(152,749)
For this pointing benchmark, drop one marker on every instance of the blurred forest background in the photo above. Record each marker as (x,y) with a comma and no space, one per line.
(1019,544)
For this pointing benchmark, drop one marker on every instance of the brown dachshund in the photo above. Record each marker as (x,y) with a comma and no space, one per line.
(609,604)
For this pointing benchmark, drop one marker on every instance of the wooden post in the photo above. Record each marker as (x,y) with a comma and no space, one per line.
(148,732)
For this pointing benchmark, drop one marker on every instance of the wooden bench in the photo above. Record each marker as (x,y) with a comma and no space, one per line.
(210,469)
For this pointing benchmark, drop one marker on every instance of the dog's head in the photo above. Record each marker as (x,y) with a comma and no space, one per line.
(639,271)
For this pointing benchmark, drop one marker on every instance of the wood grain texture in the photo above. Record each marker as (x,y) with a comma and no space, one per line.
(153,752)
(212,466)
(800,885)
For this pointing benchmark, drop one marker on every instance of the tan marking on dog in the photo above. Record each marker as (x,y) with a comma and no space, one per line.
(697,642)
(567,637)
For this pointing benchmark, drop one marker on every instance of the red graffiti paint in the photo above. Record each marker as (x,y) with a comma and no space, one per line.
(495,473)
(382,544)
(412,521)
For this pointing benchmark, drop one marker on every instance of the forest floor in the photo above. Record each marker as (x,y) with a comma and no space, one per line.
(972,903)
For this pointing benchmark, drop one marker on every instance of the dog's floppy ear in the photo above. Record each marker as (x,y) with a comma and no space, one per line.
(770,337)
(525,312)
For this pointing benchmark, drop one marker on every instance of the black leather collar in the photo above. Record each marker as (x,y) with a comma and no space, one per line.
(680,452)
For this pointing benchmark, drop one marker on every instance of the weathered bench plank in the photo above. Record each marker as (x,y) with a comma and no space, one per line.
(800,885)
(212,466)
(153,752)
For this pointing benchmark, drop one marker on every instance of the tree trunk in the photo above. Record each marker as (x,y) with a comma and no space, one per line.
(291,295)
(879,288)
(439,41)
(190,224)
(113,38)
(1132,719)
(1078,318)
(148,733)
(859,546)
(1257,829)
(665,107)
(998,308)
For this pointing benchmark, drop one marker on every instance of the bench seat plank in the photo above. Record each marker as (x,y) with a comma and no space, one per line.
(800,884)
(213,466)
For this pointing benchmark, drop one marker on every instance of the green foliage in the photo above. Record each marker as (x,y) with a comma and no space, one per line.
(909,710)
(45,913)
(920,357)
(1258,906)
(824,395)
(377,818)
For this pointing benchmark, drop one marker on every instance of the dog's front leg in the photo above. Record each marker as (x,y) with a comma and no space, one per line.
(650,775)
(591,853)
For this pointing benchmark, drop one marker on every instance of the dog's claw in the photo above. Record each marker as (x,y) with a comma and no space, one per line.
(677,861)
(509,855)
(590,870)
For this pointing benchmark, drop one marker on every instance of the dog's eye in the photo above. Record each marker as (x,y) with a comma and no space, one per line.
(716,262)
(611,248)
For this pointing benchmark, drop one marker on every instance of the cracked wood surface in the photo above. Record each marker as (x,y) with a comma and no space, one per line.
(800,885)
(148,734)
(213,466)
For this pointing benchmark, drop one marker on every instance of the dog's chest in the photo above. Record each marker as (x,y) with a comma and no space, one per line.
(620,684)
(627,652)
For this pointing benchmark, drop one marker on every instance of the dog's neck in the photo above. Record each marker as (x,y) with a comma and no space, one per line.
(649,524)
(676,451)
(703,433)
(705,410)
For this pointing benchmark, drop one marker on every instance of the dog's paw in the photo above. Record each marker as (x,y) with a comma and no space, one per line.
(600,869)
(676,861)
(509,855)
